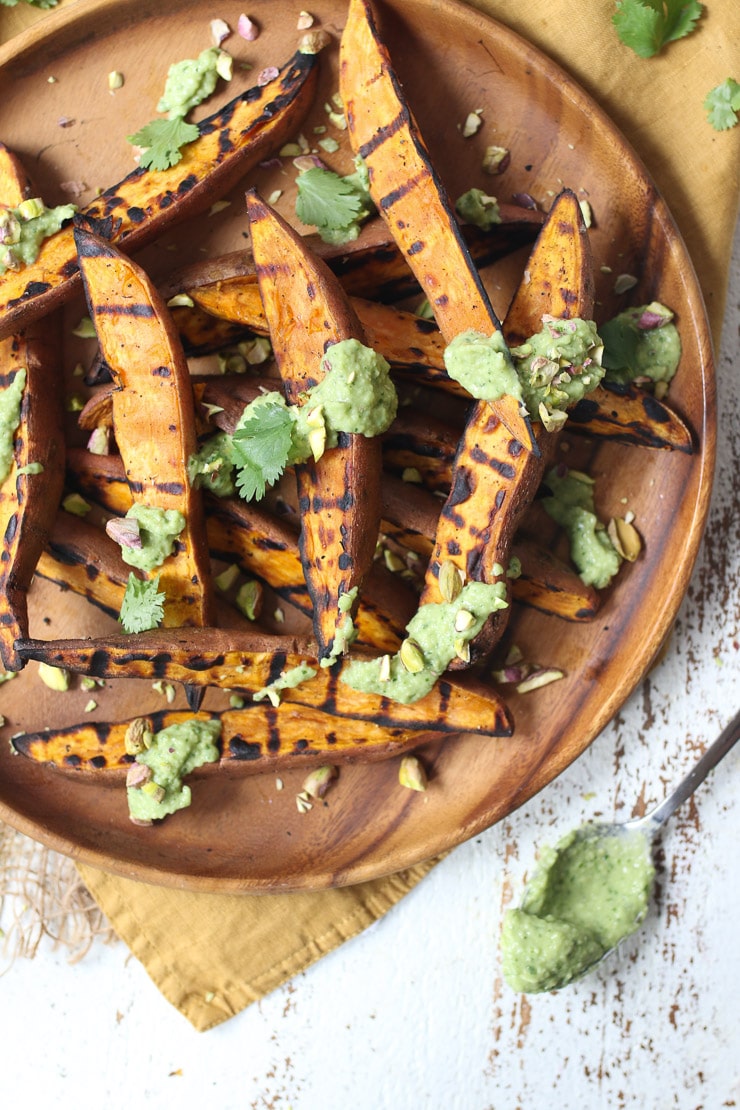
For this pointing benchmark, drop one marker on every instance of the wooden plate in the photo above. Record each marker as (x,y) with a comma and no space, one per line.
(242,833)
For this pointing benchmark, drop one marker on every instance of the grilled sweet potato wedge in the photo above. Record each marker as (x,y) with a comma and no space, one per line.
(339,494)
(255,739)
(145,202)
(153,415)
(409,194)
(30,493)
(494,479)
(252,661)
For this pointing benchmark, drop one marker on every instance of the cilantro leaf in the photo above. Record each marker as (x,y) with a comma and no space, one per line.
(722,105)
(143,604)
(262,444)
(327,200)
(646,26)
(163,139)
(619,358)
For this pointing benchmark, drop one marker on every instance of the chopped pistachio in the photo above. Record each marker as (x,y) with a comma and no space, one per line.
(624,282)
(384,672)
(227,578)
(155,792)
(496,159)
(225,65)
(31,468)
(99,441)
(115,80)
(75,403)
(537,679)
(220,30)
(30,208)
(257,351)
(303,803)
(411,773)
(392,561)
(92,704)
(463,620)
(75,504)
(85,329)
(411,474)
(329,144)
(181,300)
(625,537)
(472,124)
(462,649)
(411,655)
(305,20)
(138,775)
(166,689)
(56,678)
(450,583)
(339,120)
(279,784)
(139,736)
(249,599)
(274,196)
(290,150)
(218,206)
(88,683)
(279,616)
(236,702)
(319,780)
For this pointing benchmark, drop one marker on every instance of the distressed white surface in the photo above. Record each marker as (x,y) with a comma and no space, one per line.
(413,1012)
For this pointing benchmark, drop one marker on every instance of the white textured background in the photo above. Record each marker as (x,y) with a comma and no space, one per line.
(413,1013)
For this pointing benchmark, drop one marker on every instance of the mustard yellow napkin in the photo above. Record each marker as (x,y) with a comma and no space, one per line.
(211,955)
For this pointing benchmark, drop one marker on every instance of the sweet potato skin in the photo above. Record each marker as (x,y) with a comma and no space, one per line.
(28,501)
(145,202)
(338,494)
(253,740)
(153,415)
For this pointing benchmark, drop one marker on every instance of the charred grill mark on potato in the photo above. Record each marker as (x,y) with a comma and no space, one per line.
(338,533)
(145,202)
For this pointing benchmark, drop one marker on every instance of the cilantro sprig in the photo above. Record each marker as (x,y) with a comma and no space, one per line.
(334,205)
(646,26)
(189,82)
(143,604)
(722,105)
(262,445)
(163,139)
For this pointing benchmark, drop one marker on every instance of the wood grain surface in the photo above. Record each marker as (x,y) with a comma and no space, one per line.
(557,136)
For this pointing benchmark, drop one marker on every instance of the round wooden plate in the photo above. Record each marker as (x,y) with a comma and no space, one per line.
(242,833)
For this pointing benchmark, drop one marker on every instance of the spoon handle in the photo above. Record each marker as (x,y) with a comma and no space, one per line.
(714,753)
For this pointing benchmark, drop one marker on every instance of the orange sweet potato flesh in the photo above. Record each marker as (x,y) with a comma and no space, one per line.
(140,207)
(409,194)
(339,494)
(153,415)
(255,739)
(250,661)
(28,501)
(494,479)
(415,349)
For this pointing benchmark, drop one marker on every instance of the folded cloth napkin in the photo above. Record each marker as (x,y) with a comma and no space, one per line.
(211,955)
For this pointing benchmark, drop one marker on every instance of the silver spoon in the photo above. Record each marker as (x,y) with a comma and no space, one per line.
(652,822)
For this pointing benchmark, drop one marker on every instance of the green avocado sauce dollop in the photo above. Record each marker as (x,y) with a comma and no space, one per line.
(189,83)
(550,372)
(174,753)
(159,529)
(641,342)
(571,505)
(588,893)
(11,398)
(433,631)
(23,230)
